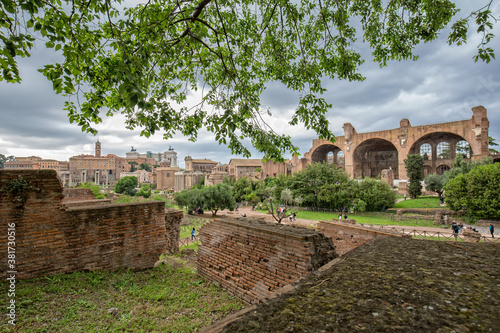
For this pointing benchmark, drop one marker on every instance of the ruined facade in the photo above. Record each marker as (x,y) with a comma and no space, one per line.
(164,177)
(244,167)
(367,154)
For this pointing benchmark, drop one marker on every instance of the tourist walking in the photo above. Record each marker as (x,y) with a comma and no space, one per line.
(193,234)
(492,230)
(454,229)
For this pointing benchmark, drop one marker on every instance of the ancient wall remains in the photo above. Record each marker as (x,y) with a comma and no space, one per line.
(251,258)
(77,194)
(348,236)
(367,154)
(52,236)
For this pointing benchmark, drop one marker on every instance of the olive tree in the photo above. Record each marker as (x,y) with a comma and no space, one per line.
(218,197)
(144,61)
(435,183)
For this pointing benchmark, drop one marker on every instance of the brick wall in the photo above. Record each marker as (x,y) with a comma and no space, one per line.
(251,258)
(52,237)
(173,219)
(77,194)
(348,236)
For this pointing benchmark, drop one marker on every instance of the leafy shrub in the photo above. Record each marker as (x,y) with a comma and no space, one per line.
(478,191)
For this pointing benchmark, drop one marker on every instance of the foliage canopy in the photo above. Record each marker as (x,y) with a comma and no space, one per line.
(144,61)
(213,198)
(414,164)
(4,159)
(126,185)
(477,191)
(435,183)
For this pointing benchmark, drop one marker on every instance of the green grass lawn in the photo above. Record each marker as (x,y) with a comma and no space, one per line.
(167,298)
(421,202)
(376,218)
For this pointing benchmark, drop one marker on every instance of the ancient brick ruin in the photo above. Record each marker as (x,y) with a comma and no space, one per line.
(58,232)
(368,154)
(252,259)
(347,237)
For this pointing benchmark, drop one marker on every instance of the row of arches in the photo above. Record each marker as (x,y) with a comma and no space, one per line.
(374,155)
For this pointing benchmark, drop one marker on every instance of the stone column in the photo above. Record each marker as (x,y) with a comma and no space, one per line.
(453,148)
(434,156)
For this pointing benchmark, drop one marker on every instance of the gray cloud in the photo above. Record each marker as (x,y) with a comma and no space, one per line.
(441,86)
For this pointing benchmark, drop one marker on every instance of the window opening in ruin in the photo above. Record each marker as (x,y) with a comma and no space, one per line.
(463,148)
(441,169)
(330,157)
(443,151)
(340,157)
(426,151)
(426,170)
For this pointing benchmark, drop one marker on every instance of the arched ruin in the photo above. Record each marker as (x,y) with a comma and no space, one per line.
(367,154)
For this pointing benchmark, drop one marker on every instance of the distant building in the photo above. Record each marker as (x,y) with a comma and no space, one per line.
(143,176)
(164,178)
(201,165)
(184,180)
(28,159)
(36,163)
(239,168)
(167,158)
(15,165)
(218,174)
(195,172)
(98,169)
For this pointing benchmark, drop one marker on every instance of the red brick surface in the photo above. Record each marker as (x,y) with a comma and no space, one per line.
(51,237)
(251,258)
(348,236)
(77,194)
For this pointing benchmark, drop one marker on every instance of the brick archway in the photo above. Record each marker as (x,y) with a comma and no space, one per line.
(384,145)
(374,155)
(438,158)
(320,154)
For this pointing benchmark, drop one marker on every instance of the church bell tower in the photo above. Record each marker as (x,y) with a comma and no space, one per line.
(98,149)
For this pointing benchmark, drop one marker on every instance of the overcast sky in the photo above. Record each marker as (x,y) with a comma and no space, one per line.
(442,86)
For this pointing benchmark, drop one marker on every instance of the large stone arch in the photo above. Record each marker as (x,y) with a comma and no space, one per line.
(320,154)
(374,155)
(402,141)
(435,161)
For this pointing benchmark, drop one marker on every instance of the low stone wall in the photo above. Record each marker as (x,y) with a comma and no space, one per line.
(486,223)
(251,258)
(428,211)
(77,194)
(348,236)
(50,237)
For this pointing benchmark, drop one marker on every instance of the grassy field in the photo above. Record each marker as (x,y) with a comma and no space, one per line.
(167,298)
(376,218)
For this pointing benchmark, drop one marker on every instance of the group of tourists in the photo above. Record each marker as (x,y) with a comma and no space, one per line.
(458,229)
